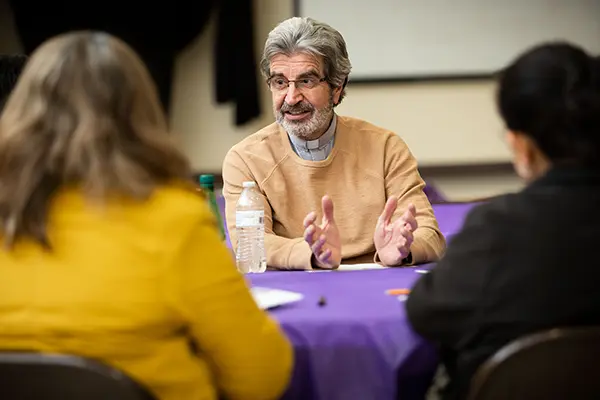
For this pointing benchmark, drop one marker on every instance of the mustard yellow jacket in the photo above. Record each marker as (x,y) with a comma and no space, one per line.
(132,284)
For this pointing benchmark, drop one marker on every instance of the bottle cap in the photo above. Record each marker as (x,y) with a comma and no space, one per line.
(206,179)
(249,184)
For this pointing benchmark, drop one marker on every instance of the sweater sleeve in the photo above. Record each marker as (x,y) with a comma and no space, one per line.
(402,179)
(282,253)
(249,355)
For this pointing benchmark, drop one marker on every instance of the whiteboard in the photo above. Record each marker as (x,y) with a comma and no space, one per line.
(407,39)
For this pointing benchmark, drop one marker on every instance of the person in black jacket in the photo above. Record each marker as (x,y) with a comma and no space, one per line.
(525,262)
(11,66)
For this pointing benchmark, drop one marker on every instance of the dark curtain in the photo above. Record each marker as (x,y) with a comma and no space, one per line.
(235,79)
(158,31)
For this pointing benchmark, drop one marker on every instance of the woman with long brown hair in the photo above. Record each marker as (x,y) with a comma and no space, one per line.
(106,251)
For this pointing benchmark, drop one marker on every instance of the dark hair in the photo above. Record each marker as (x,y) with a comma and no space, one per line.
(551,93)
(11,67)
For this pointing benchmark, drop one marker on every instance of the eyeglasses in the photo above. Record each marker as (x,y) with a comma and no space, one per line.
(279,83)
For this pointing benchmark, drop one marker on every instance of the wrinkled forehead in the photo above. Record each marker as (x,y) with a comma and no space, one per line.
(297,65)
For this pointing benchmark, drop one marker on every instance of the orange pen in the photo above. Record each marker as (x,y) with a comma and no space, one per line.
(397,292)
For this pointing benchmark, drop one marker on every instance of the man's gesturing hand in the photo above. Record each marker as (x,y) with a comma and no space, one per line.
(393,239)
(324,239)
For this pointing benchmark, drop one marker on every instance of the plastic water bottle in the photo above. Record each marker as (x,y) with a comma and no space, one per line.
(250,227)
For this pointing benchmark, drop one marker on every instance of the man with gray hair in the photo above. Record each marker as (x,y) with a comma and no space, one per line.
(312,158)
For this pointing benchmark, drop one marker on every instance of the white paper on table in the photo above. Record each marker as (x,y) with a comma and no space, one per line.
(269,298)
(358,267)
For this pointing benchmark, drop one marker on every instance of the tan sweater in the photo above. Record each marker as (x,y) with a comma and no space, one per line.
(366,166)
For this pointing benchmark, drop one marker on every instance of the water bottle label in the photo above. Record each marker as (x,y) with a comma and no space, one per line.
(245,219)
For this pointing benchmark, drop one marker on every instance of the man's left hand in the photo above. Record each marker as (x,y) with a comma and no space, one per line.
(393,239)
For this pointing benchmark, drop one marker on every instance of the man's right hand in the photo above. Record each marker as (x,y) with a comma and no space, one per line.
(324,239)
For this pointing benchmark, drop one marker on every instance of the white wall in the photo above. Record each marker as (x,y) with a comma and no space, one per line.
(457,114)
(477,36)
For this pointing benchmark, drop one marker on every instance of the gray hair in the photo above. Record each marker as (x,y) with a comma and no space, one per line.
(305,35)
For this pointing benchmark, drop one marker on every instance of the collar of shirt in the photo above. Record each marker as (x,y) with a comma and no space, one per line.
(307,148)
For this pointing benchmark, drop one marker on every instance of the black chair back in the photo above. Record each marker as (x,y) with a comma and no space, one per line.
(36,376)
(559,364)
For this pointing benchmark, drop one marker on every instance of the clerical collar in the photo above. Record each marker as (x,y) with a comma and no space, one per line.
(324,140)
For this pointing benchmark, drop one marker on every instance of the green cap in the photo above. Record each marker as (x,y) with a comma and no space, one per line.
(207,179)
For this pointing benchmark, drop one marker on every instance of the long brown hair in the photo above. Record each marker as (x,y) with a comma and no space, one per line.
(84,112)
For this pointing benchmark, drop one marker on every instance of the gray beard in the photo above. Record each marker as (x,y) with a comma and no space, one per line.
(318,121)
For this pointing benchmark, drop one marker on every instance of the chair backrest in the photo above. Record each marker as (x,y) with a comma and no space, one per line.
(558,364)
(34,376)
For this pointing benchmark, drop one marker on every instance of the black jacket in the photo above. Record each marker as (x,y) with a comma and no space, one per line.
(522,263)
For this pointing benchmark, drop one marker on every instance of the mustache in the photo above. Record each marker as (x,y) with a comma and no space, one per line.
(296,108)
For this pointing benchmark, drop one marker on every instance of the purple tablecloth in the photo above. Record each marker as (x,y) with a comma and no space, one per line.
(357,346)
(450,216)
